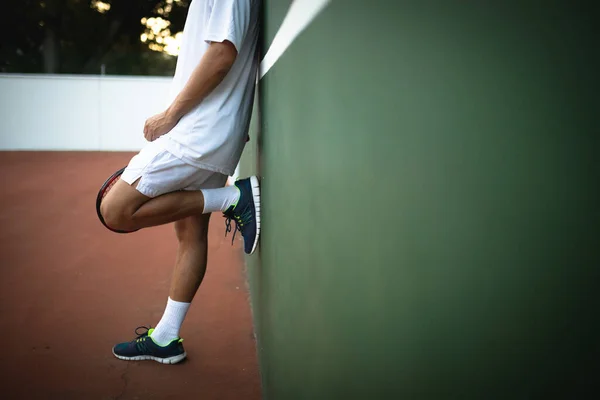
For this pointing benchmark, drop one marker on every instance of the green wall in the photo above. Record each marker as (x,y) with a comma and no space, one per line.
(430,203)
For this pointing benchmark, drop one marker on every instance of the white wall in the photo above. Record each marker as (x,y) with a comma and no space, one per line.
(60,112)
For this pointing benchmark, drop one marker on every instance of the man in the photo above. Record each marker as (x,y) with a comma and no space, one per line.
(195,144)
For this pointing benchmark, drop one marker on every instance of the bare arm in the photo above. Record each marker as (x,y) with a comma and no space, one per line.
(210,72)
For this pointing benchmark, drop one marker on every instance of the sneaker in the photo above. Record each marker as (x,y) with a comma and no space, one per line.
(144,348)
(246,213)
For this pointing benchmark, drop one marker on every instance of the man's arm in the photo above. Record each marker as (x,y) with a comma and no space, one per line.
(210,72)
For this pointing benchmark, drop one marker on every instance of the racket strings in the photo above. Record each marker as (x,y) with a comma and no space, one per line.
(106,187)
(109,187)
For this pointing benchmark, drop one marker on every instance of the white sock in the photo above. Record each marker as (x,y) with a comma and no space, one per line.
(168,327)
(220,199)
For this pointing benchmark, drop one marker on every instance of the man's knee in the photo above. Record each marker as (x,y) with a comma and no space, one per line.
(119,205)
(192,230)
(115,215)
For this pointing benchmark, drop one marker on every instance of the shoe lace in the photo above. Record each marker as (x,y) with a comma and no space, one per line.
(140,336)
(228,219)
(240,221)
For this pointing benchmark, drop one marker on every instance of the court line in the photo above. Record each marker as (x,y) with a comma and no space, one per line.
(300,14)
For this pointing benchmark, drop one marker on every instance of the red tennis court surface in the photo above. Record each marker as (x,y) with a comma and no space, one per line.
(70,289)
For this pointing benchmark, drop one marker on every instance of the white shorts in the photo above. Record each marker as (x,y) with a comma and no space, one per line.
(161,172)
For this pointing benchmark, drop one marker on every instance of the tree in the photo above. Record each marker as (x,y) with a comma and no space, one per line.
(78,36)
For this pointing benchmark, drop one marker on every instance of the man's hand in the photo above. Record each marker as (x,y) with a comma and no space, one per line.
(158,125)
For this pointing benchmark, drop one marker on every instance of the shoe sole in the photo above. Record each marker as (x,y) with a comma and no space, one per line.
(168,360)
(256,200)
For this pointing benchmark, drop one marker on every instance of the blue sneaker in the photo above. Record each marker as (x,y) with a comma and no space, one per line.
(144,348)
(246,213)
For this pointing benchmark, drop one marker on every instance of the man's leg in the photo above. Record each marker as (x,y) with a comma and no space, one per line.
(125,208)
(128,209)
(163,343)
(190,267)
(149,194)
(192,234)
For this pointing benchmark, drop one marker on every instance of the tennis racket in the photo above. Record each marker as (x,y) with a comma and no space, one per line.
(110,182)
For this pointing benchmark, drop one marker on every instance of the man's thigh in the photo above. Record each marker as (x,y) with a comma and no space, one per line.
(156,172)
(150,173)
(124,197)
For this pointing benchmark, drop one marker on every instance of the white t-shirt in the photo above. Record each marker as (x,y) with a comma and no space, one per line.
(212,136)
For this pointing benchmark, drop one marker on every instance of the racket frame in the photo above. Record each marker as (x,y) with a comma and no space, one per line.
(102,192)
